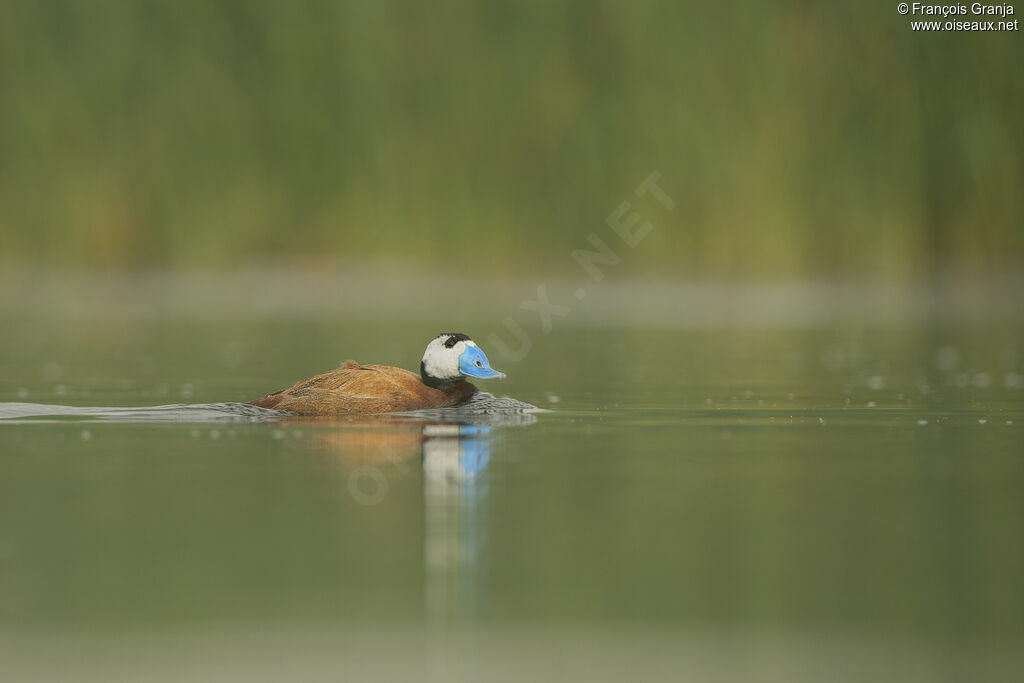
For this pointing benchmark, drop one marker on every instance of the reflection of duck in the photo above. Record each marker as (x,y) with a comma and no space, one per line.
(450,451)
(371,444)
(455,459)
(455,454)
(355,389)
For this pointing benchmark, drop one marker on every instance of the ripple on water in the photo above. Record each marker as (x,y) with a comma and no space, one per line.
(482,408)
(201,412)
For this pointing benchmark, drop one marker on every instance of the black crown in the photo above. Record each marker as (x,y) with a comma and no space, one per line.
(454,338)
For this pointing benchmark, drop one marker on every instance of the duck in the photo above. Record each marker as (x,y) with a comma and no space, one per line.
(356,389)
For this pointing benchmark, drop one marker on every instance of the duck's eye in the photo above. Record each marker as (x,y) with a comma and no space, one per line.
(478,364)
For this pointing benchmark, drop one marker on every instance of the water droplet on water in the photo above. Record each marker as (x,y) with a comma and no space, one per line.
(922,422)
(1012,380)
(85,435)
(982,420)
(876,382)
(981,380)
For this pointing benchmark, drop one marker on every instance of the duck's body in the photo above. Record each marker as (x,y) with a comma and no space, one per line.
(355,389)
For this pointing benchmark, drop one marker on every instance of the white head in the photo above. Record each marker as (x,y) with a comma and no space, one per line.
(452,356)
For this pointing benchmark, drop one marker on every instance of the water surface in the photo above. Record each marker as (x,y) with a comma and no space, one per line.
(790,502)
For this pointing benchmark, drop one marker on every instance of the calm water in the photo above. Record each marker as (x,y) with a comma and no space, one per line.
(836,501)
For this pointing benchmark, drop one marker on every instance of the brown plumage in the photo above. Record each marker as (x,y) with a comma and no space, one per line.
(355,389)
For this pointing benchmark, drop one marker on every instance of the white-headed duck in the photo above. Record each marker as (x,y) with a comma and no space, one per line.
(355,389)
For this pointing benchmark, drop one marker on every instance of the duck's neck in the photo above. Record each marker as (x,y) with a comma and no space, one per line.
(446,385)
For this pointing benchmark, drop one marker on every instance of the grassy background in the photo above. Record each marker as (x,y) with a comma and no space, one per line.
(799,139)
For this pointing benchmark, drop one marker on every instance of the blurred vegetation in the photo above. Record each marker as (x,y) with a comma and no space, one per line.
(797,138)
